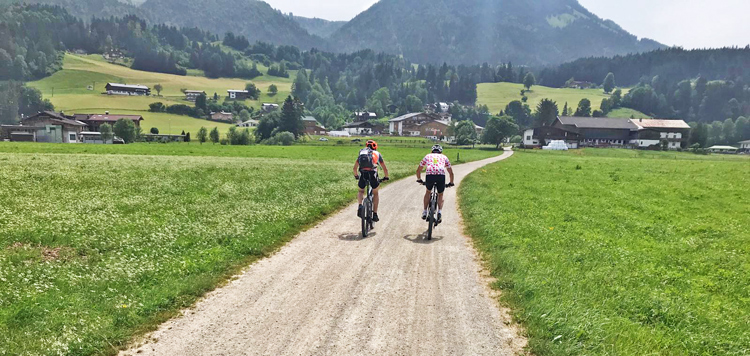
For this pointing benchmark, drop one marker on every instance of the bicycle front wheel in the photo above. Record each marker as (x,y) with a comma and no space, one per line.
(365,219)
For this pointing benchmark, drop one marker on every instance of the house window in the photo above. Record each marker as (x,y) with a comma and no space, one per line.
(528,138)
(72,137)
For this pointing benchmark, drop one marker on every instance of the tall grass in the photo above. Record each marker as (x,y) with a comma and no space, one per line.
(602,253)
(98,247)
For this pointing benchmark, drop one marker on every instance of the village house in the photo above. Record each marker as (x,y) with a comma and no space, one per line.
(192,95)
(541,136)
(599,131)
(249,123)
(745,146)
(653,131)
(95,121)
(723,149)
(45,126)
(312,127)
(411,124)
(125,89)
(267,107)
(238,94)
(364,128)
(364,116)
(222,117)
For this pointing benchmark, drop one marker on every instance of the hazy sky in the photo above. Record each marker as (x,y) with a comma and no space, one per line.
(687,23)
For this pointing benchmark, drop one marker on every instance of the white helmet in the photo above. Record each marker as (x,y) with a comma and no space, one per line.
(437,149)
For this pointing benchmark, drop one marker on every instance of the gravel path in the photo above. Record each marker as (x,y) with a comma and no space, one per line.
(329,292)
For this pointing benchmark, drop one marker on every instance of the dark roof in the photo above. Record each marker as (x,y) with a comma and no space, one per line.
(57,117)
(128,86)
(598,123)
(361,124)
(112,118)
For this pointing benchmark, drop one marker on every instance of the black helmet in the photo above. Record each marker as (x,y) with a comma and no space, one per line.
(437,149)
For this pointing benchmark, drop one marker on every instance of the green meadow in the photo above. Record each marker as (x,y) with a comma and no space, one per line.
(68,91)
(99,243)
(498,95)
(618,252)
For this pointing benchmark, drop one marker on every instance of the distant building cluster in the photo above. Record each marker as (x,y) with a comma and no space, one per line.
(579,132)
(53,127)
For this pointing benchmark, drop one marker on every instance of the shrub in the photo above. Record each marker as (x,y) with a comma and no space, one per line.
(154,131)
(286,138)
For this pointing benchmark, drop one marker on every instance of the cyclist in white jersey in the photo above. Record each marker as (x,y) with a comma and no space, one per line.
(436,164)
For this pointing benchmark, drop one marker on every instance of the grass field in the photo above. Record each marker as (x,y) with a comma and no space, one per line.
(615,252)
(497,96)
(67,89)
(102,242)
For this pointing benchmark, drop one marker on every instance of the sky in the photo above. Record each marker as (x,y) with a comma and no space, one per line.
(686,23)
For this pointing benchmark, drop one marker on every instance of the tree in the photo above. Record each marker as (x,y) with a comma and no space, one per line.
(699,135)
(125,129)
(498,129)
(546,112)
(379,102)
(301,87)
(466,133)
(214,135)
(244,115)
(413,104)
(267,126)
(728,131)
(201,102)
(285,138)
(529,80)
(742,129)
(565,110)
(187,137)
(106,131)
(252,91)
(154,131)
(273,90)
(158,89)
(520,112)
(202,135)
(609,83)
(584,108)
(291,117)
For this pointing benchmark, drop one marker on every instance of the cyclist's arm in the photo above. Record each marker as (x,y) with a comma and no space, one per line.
(356,169)
(419,172)
(450,171)
(385,169)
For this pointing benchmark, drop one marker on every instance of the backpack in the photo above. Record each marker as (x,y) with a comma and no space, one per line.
(366,159)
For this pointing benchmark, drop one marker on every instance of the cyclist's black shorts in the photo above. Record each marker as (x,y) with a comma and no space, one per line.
(433,180)
(372,176)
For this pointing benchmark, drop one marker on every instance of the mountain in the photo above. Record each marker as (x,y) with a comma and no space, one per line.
(85,9)
(254,19)
(319,27)
(538,32)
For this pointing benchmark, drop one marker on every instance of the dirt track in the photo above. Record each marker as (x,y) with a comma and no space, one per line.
(329,292)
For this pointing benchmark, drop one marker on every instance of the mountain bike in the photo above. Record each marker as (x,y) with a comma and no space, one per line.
(367,223)
(432,209)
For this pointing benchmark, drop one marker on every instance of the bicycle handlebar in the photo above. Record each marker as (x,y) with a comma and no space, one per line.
(449,185)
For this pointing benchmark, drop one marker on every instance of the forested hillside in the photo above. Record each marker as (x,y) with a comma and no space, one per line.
(694,85)
(494,31)
(318,27)
(253,19)
(86,9)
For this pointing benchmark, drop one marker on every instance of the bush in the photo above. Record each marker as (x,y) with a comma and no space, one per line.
(157,107)
(286,138)
(516,139)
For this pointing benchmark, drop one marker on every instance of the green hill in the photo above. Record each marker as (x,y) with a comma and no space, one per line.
(318,27)
(254,19)
(497,95)
(67,89)
(474,31)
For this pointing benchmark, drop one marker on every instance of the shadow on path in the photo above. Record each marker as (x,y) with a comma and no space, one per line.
(422,238)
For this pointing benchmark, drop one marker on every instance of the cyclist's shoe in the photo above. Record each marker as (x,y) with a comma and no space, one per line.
(439,218)
(424,215)
(359,211)
(375,217)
